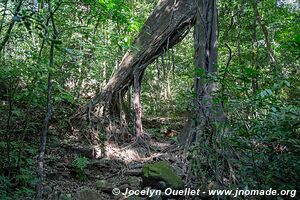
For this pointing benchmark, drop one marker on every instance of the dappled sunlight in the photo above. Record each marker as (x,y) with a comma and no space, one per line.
(162,145)
(131,154)
(207,96)
(112,151)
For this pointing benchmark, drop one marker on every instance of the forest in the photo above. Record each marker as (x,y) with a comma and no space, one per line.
(149,99)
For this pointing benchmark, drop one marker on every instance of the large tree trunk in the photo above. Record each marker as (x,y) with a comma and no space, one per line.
(166,26)
(207,114)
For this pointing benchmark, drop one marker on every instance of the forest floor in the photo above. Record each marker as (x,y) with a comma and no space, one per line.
(120,167)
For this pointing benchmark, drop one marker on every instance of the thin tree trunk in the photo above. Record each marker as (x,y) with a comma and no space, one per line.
(157,69)
(265,32)
(137,104)
(10,27)
(254,80)
(43,137)
(3,15)
(9,134)
(272,57)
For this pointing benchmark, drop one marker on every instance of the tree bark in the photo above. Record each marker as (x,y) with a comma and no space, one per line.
(206,114)
(265,32)
(137,105)
(43,135)
(10,27)
(167,25)
(271,53)
(3,15)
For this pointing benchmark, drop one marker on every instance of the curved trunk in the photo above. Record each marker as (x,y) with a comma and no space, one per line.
(166,26)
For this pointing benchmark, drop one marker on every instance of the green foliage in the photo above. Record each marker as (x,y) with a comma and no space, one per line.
(259,146)
(261,100)
(92,36)
(167,94)
(80,163)
(17,171)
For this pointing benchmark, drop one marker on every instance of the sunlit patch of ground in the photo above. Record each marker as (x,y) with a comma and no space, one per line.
(114,166)
(131,154)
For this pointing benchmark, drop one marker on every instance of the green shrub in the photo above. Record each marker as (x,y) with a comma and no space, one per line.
(80,163)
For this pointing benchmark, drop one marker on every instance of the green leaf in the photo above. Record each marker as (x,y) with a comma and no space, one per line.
(287,83)
(297,39)
(199,72)
(269,91)
(70,51)
(59,42)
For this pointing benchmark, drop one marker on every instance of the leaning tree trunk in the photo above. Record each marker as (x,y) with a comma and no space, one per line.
(166,26)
